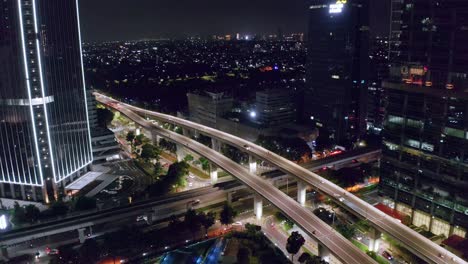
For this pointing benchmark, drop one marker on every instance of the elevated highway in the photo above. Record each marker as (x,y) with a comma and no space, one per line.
(328,238)
(416,243)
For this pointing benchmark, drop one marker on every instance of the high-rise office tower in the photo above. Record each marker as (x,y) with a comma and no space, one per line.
(44,130)
(337,67)
(424,170)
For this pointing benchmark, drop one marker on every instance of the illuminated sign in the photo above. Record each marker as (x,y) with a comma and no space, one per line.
(337,7)
(3,222)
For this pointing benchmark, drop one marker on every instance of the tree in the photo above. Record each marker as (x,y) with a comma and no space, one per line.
(192,221)
(288,224)
(104,117)
(18,214)
(346,231)
(149,151)
(140,140)
(177,172)
(85,203)
(167,145)
(31,213)
(294,243)
(130,137)
(243,256)
(188,158)
(205,164)
(59,208)
(207,220)
(157,169)
(316,260)
(304,257)
(227,214)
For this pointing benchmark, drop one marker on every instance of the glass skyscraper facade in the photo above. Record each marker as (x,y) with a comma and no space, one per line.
(337,67)
(424,170)
(44,130)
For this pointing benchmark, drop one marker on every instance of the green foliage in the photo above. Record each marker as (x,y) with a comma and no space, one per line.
(207,220)
(280,217)
(204,163)
(324,215)
(294,243)
(157,169)
(304,257)
(31,213)
(189,158)
(192,221)
(176,177)
(227,214)
(346,230)
(59,208)
(130,137)
(167,145)
(290,148)
(149,151)
(18,214)
(243,255)
(104,117)
(140,140)
(85,203)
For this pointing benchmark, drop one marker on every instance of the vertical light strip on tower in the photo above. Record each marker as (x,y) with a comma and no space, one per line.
(84,85)
(23,45)
(42,89)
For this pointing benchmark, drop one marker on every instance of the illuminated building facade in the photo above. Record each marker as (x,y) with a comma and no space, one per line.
(337,67)
(44,129)
(424,169)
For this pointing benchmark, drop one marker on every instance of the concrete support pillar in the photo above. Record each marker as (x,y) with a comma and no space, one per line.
(23,192)
(185,132)
(81,235)
(215,145)
(137,131)
(323,252)
(213,174)
(258,206)
(374,239)
(180,153)
(4,252)
(12,190)
(252,164)
(2,189)
(155,137)
(229,197)
(33,193)
(301,192)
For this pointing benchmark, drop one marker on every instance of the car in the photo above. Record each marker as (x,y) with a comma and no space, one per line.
(142,218)
(341,199)
(387,255)
(54,251)
(247,147)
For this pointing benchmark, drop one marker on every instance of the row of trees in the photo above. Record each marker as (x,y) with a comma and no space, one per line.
(30,214)
(175,178)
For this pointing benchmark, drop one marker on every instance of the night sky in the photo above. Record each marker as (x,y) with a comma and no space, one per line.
(107,20)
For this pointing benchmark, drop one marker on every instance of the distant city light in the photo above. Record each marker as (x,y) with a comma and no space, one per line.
(336,8)
(3,222)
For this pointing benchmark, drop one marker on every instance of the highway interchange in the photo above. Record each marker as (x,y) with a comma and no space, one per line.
(415,242)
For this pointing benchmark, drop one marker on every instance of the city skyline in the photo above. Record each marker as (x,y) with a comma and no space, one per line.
(122,20)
